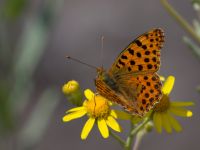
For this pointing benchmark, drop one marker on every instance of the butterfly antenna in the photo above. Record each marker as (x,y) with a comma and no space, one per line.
(74,59)
(102,46)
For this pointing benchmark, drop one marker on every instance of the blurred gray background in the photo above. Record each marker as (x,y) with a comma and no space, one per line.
(77,32)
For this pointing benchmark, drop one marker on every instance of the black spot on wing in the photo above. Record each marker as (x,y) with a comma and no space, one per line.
(154,59)
(146,95)
(122,63)
(148,84)
(153,78)
(149,66)
(146,60)
(151,40)
(117,66)
(132,62)
(124,57)
(131,51)
(145,78)
(138,43)
(140,67)
(151,91)
(154,52)
(143,101)
(139,54)
(144,47)
(147,52)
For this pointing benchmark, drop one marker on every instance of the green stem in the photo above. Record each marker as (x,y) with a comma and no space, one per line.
(138,139)
(117,138)
(129,142)
(140,126)
(180,20)
(129,139)
(135,131)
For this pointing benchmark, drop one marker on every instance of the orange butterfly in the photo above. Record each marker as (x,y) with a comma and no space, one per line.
(132,81)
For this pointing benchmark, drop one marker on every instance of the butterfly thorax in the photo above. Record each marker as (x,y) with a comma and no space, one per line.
(107,79)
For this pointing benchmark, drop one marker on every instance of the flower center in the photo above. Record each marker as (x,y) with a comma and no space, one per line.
(163,105)
(98,107)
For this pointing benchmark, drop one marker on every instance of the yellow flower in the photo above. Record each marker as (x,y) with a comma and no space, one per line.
(163,112)
(98,110)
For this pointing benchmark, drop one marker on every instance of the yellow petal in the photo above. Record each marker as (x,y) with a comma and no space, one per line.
(103,128)
(113,113)
(166,123)
(75,109)
(189,113)
(87,128)
(111,122)
(162,78)
(181,104)
(157,120)
(74,115)
(179,111)
(89,94)
(168,85)
(122,115)
(110,103)
(174,123)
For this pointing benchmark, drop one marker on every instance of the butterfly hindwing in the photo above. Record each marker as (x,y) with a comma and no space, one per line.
(146,95)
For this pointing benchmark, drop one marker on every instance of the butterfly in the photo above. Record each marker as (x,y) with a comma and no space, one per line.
(132,81)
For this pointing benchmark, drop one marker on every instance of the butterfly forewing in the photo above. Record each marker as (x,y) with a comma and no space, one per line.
(142,55)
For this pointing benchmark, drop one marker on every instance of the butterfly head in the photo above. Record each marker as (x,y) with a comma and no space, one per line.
(100,72)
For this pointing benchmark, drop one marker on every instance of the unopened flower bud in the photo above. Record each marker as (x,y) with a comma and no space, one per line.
(70,87)
(73,92)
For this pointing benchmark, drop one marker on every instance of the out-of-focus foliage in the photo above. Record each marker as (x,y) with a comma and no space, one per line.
(6,122)
(13,8)
(194,47)
(19,58)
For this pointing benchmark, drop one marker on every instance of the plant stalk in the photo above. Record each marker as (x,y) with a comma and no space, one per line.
(180,20)
(133,132)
